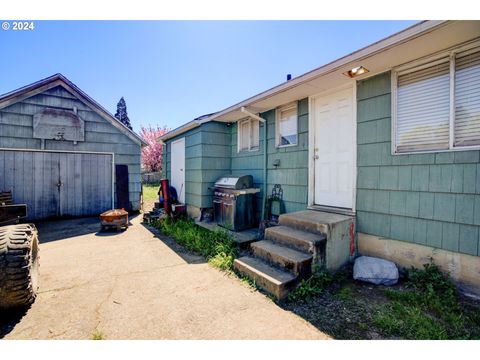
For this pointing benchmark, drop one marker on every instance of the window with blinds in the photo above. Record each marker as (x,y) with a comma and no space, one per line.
(425,119)
(248,135)
(423,109)
(467,99)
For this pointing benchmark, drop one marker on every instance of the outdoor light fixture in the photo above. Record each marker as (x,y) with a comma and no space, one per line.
(359,70)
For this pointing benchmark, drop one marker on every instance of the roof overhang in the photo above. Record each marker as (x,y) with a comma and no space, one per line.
(417,41)
(60,80)
(180,130)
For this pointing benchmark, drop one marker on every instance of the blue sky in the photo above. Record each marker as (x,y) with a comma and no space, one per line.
(170,72)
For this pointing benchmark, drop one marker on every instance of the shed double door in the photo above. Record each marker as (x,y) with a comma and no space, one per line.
(56,184)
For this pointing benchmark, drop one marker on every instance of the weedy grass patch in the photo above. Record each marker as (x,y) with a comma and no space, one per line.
(98,335)
(428,308)
(345,293)
(313,286)
(150,191)
(424,305)
(217,246)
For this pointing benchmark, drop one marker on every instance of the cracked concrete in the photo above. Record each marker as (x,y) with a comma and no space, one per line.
(134,285)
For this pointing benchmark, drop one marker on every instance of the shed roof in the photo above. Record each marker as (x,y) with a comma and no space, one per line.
(60,80)
(419,40)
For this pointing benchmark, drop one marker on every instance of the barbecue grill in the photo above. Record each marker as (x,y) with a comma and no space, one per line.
(233,202)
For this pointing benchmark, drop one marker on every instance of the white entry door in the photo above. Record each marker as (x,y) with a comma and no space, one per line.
(334,148)
(178,168)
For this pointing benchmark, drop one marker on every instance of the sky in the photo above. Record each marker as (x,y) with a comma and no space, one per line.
(170,72)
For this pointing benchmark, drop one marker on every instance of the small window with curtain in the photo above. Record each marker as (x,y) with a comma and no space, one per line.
(287,125)
(437,104)
(248,135)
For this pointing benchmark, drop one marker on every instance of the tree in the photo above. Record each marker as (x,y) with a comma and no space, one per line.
(152,154)
(121,113)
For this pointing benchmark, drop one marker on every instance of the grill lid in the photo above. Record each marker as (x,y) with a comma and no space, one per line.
(235,182)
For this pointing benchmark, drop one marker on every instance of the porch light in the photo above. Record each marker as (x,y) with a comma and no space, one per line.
(359,70)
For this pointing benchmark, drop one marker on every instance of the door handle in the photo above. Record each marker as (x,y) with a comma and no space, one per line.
(316,157)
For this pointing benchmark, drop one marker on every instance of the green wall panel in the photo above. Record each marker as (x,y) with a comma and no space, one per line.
(207,157)
(420,198)
(292,173)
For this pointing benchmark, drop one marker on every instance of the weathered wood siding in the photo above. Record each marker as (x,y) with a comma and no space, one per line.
(16,131)
(430,199)
(33,177)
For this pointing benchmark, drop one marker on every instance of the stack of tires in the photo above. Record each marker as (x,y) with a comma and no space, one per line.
(19,263)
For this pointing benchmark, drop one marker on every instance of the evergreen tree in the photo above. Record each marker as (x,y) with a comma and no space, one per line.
(121,113)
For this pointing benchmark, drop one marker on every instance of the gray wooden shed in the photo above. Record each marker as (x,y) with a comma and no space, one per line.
(63,154)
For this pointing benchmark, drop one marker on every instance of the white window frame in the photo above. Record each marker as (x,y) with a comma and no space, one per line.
(250,147)
(418,65)
(279,110)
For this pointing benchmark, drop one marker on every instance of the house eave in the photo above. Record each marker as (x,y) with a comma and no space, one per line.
(354,57)
(414,42)
(180,130)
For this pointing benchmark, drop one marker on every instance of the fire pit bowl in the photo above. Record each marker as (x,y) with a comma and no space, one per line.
(115,218)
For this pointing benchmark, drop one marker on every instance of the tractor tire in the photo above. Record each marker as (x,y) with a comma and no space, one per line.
(19,263)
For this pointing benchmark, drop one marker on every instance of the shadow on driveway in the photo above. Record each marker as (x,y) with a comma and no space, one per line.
(62,229)
(10,318)
(187,256)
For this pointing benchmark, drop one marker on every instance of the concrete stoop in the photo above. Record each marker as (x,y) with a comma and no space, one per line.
(290,250)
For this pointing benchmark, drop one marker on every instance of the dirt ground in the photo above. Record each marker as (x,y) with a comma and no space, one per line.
(135,285)
(345,315)
(348,308)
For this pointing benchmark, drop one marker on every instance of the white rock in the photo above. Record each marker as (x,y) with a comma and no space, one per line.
(375,270)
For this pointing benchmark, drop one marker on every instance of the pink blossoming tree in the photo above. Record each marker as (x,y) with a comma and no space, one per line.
(152,154)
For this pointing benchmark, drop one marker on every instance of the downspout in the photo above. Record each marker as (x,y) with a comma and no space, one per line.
(264,122)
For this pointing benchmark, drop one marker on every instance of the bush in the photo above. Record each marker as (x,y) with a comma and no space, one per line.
(217,246)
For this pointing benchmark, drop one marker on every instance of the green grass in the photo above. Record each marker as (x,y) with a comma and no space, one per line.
(311,287)
(345,293)
(427,309)
(217,246)
(150,191)
(249,282)
(98,335)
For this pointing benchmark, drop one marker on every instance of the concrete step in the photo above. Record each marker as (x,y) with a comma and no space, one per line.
(297,239)
(318,222)
(275,281)
(298,262)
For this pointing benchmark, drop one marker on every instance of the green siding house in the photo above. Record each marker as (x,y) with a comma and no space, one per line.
(388,136)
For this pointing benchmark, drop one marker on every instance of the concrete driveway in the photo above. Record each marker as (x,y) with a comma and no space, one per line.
(134,285)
